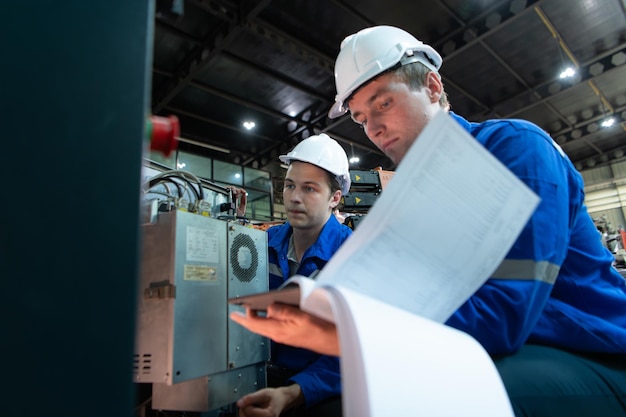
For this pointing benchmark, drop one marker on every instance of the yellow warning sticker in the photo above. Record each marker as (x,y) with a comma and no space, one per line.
(357,200)
(200,273)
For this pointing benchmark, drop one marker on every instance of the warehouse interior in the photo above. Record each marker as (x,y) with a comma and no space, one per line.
(217,64)
(247,81)
(222,66)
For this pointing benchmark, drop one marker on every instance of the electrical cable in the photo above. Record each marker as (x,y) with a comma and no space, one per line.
(196,193)
(144,403)
(172,196)
(187,176)
(196,180)
(156,181)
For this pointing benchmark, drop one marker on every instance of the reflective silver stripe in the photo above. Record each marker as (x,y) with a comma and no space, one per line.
(275,270)
(527,270)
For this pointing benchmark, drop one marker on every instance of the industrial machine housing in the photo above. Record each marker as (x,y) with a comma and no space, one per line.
(186,346)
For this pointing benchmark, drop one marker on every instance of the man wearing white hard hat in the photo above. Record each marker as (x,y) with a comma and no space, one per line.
(304,382)
(553,315)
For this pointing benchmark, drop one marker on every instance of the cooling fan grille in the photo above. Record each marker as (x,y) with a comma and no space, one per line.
(244,258)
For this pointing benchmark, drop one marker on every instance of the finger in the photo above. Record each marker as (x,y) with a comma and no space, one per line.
(282,311)
(243,318)
(258,399)
(252,322)
(247,400)
(253,411)
(235,315)
(251,312)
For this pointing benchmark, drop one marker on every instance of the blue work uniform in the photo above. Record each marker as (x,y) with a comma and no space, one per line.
(318,375)
(556,286)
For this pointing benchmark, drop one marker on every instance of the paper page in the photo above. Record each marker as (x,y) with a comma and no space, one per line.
(394,363)
(440,228)
(318,303)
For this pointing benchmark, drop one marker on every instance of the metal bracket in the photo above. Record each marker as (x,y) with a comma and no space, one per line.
(160,290)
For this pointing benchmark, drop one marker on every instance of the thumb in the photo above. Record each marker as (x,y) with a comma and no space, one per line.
(257,397)
(245,400)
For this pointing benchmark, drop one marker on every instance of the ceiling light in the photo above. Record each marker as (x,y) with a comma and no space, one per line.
(249,125)
(354,159)
(567,73)
(608,122)
(181,165)
(237,175)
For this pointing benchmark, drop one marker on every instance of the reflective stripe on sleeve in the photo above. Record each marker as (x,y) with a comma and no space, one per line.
(275,270)
(527,270)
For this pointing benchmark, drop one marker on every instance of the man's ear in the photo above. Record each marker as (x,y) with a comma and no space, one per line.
(335,199)
(435,86)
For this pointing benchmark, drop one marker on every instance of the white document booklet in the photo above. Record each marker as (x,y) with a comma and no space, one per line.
(442,226)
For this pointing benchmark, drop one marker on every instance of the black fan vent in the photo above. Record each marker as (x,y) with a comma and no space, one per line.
(244,258)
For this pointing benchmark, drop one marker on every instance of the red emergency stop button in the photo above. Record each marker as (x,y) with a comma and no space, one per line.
(163,133)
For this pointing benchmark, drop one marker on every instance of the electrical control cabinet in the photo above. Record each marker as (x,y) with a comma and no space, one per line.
(185,341)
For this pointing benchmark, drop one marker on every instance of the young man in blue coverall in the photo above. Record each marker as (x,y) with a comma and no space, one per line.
(553,314)
(304,382)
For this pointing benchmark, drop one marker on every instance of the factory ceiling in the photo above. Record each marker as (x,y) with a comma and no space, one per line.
(220,63)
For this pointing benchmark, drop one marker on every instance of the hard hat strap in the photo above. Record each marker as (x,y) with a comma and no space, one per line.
(411,57)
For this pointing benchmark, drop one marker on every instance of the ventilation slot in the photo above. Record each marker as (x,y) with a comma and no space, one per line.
(142,364)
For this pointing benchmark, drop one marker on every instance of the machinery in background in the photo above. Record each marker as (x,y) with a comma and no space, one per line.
(614,240)
(364,191)
(195,358)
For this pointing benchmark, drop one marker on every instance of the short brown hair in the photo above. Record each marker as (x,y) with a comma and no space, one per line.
(332,182)
(414,75)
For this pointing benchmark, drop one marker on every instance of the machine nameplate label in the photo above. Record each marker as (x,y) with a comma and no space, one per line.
(202,245)
(200,273)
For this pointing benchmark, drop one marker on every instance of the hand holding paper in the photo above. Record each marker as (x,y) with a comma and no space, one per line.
(289,325)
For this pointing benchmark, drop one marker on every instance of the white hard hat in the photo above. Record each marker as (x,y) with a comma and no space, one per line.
(324,152)
(371,51)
